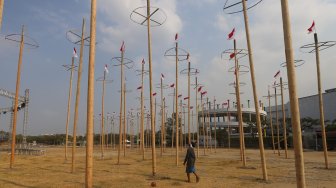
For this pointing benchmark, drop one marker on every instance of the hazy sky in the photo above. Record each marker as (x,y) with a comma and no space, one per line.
(202,26)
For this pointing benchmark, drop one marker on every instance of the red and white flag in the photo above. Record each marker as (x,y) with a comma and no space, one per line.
(105,69)
(154,93)
(277,74)
(200,88)
(185,98)
(180,95)
(232,55)
(75,53)
(143,61)
(140,87)
(122,48)
(176,37)
(231,34)
(162,76)
(172,85)
(311,28)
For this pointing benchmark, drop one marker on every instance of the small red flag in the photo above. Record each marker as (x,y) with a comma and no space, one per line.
(140,87)
(188,56)
(200,88)
(180,95)
(232,55)
(172,85)
(204,92)
(176,36)
(143,61)
(185,98)
(122,48)
(231,35)
(191,107)
(162,76)
(154,93)
(311,28)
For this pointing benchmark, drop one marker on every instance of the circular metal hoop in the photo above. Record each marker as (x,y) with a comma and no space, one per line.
(240,84)
(69,67)
(164,86)
(310,48)
(28,41)
(231,7)
(127,62)
(193,71)
(243,69)
(171,55)
(100,79)
(240,53)
(234,93)
(157,16)
(297,63)
(139,72)
(74,36)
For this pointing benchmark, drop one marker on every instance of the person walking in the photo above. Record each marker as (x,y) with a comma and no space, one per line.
(190,161)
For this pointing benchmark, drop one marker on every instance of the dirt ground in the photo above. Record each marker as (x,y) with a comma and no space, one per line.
(222,168)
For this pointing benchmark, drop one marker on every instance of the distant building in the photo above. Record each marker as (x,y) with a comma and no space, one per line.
(309,106)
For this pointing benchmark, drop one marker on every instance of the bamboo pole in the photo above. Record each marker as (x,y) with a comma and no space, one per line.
(283,119)
(77,98)
(255,96)
(271,119)
(102,118)
(176,106)
(68,110)
(229,120)
(1,12)
(151,90)
(16,102)
(240,116)
(125,123)
(215,124)
(161,117)
(121,105)
(142,113)
(203,125)
(189,138)
(197,125)
(294,103)
(90,99)
(277,119)
(319,86)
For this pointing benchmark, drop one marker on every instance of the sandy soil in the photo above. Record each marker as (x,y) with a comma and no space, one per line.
(222,168)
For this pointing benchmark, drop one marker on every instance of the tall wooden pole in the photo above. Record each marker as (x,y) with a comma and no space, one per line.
(80,67)
(189,138)
(203,119)
(240,116)
(172,139)
(319,86)
(294,103)
(102,119)
(176,105)
(277,118)
(125,123)
(90,99)
(208,130)
(164,124)
(142,113)
(197,124)
(283,119)
(229,119)
(271,119)
(121,104)
(1,12)
(16,102)
(151,90)
(215,124)
(162,112)
(68,110)
(255,96)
